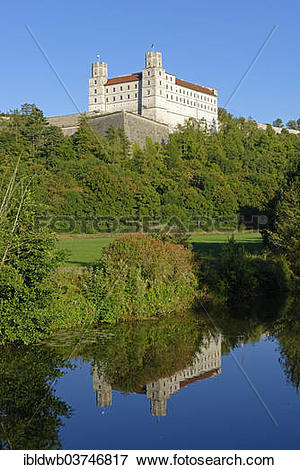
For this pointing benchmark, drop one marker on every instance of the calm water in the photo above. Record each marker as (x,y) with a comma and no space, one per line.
(175,383)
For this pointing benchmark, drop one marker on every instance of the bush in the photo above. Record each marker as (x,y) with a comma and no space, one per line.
(238,274)
(283,236)
(139,277)
(27,286)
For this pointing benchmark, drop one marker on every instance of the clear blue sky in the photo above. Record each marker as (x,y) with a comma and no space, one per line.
(207,42)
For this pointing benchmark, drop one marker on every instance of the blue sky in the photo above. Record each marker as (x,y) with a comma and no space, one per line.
(210,43)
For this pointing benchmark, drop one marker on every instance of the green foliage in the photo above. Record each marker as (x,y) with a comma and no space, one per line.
(197,174)
(28,260)
(30,413)
(283,235)
(287,331)
(139,277)
(236,274)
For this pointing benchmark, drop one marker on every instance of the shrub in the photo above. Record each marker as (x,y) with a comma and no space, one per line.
(238,274)
(139,277)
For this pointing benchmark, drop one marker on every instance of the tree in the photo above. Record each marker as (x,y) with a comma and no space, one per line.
(28,260)
(278,123)
(283,235)
(292,125)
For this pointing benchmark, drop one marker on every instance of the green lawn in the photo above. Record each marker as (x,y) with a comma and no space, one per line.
(86,250)
(210,244)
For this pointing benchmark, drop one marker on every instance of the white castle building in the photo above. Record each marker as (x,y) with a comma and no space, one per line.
(206,364)
(152,93)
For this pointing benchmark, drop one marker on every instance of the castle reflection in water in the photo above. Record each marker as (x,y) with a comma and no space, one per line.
(206,364)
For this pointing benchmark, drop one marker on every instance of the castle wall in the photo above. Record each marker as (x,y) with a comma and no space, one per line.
(137,128)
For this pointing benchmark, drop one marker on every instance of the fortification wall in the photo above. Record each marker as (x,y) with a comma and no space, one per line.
(65,121)
(136,127)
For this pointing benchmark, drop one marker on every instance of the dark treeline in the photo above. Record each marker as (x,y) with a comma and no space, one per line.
(197,174)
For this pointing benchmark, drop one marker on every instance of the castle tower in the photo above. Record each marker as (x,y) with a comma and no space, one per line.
(96,87)
(103,389)
(153,59)
(153,80)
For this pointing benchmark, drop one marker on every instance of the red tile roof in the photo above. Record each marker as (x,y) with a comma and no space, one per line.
(184,383)
(194,87)
(137,76)
(206,375)
(126,78)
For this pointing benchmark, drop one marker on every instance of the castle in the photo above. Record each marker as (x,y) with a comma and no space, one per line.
(151,103)
(153,93)
(206,364)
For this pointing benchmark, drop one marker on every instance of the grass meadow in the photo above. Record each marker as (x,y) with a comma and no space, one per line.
(84,250)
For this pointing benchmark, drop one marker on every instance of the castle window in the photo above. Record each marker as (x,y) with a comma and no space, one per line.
(179,90)
(171,97)
(95,100)
(106,99)
(171,88)
(135,95)
(166,77)
(148,82)
(128,87)
(176,98)
(160,73)
(170,79)
(121,88)
(180,100)
(114,89)
(135,86)
(148,92)
(114,98)
(128,96)
(184,100)
(148,73)
(95,82)
(160,92)
(187,101)
(106,90)
(95,91)
(160,83)
(121,97)
(183,92)
(167,96)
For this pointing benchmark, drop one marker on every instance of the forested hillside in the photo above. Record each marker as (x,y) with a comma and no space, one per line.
(196,175)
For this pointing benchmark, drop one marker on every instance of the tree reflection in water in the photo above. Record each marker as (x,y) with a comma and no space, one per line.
(156,358)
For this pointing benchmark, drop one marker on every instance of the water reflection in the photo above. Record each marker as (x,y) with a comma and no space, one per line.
(206,364)
(156,359)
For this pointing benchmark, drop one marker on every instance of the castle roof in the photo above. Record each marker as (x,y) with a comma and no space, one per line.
(137,76)
(123,79)
(194,87)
